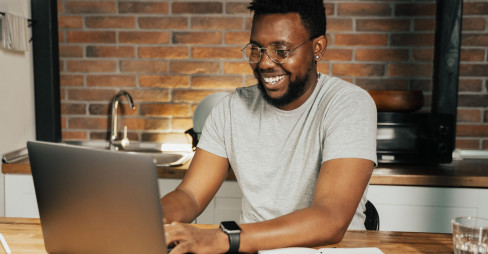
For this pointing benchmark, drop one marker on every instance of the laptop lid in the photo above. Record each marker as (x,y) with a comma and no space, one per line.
(96,201)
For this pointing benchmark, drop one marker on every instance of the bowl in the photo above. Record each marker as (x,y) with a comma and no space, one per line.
(397,100)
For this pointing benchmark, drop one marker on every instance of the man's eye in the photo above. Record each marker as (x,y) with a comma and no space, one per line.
(282,53)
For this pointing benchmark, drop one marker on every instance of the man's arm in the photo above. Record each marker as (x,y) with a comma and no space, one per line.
(340,186)
(203,179)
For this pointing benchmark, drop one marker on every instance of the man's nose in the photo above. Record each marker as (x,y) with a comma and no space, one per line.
(265,61)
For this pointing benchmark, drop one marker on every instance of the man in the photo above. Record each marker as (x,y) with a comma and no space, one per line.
(301,144)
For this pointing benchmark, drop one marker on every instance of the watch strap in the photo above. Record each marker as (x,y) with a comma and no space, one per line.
(234,242)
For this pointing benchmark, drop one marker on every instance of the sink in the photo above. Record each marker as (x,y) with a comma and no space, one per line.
(168,155)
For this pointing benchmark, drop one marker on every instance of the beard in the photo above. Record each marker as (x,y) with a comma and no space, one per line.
(295,90)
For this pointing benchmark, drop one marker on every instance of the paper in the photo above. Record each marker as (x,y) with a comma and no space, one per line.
(302,250)
(14,32)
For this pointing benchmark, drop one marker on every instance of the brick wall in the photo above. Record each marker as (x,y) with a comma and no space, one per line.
(171,54)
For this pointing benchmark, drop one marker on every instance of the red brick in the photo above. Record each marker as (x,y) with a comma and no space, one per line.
(106,109)
(412,39)
(323,68)
(486,116)
(191,96)
(474,24)
(164,81)
(339,25)
(237,38)
(197,8)
(423,55)
(410,70)
(144,37)
(335,54)
(163,52)
(384,25)
(216,23)
(192,67)
(177,138)
(152,124)
(70,51)
(237,68)
(468,115)
(479,7)
(361,40)
(150,95)
(70,22)
(71,80)
(181,123)
(236,8)
(88,123)
(381,55)
(81,94)
(470,85)
(464,130)
(74,135)
(197,37)
(382,83)
(485,145)
(473,100)
(89,7)
(424,24)
(90,37)
(91,66)
(73,108)
(175,110)
(472,55)
(477,70)
(163,22)
(469,144)
(357,70)
(412,10)
(216,53)
(216,82)
(425,85)
(363,9)
(110,22)
(61,36)
(111,80)
(250,80)
(475,40)
(144,66)
(110,51)
(149,8)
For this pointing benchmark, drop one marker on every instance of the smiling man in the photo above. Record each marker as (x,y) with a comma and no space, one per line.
(301,144)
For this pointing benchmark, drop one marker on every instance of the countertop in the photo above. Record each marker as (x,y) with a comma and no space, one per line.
(471,173)
(25,236)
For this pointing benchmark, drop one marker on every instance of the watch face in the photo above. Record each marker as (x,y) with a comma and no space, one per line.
(230,226)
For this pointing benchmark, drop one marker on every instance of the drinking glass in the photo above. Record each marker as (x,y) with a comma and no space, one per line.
(470,235)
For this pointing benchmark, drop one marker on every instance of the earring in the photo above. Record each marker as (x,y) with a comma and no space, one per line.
(317,57)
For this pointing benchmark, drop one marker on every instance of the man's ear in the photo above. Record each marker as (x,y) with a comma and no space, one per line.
(319,47)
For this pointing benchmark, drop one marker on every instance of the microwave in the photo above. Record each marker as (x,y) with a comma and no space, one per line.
(415,138)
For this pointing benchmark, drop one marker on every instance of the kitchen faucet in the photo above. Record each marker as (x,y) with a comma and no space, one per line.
(115,142)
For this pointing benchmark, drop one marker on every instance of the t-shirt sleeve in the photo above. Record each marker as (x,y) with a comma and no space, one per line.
(350,127)
(212,139)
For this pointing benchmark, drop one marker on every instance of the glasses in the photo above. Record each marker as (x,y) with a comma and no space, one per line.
(278,53)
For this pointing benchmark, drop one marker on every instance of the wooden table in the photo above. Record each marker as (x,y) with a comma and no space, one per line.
(25,236)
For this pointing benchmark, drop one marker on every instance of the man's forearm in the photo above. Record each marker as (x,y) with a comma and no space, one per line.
(179,206)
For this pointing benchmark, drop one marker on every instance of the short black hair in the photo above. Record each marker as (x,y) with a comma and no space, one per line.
(312,12)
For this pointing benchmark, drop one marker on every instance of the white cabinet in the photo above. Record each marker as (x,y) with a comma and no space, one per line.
(425,209)
(226,205)
(20,197)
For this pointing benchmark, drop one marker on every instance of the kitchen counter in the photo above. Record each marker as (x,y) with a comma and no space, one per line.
(459,173)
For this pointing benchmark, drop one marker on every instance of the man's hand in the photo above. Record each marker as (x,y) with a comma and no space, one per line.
(185,238)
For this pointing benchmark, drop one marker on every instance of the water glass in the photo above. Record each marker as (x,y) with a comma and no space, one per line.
(470,235)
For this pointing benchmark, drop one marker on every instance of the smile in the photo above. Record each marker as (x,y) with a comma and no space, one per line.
(273,80)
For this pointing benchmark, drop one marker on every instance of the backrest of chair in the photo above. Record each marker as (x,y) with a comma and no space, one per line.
(372,221)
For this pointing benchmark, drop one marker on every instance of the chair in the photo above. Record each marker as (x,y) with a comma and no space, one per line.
(372,221)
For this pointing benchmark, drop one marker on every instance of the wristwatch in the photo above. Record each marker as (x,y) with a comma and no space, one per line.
(234,232)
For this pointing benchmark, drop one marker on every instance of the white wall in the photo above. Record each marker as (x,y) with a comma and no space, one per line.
(17,117)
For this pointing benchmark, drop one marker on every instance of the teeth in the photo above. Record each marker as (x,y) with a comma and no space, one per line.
(273,80)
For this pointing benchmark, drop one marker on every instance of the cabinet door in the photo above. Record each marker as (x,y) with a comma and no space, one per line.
(226,205)
(425,209)
(20,196)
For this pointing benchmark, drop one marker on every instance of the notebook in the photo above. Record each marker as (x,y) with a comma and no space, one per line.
(95,201)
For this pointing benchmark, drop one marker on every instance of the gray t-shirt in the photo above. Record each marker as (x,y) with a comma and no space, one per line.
(276,155)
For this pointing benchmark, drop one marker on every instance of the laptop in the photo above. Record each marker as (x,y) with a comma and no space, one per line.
(96,201)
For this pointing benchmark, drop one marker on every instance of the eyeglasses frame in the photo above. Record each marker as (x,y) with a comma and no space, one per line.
(289,51)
